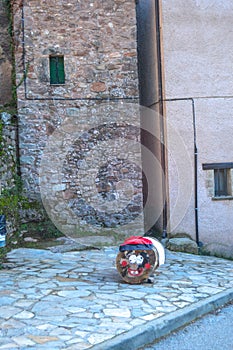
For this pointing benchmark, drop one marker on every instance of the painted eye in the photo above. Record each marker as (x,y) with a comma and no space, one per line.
(140,259)
(132,259)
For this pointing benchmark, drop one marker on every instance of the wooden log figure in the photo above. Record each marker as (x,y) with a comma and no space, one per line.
(138,258)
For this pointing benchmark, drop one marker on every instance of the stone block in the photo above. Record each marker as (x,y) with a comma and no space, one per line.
(183,244)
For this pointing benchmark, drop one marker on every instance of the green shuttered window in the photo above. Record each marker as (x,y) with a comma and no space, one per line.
(57,70)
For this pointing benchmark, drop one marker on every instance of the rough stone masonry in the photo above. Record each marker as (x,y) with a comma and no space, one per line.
(97,42)
(5,56)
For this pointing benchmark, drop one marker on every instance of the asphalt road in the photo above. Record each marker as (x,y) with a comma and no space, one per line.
(212,332)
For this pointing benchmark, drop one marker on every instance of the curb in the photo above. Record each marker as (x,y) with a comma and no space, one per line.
(147,333)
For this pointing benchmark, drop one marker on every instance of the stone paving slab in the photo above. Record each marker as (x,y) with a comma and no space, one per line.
(77,300)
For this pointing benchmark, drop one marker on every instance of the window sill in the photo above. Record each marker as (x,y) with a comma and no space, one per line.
(222,198)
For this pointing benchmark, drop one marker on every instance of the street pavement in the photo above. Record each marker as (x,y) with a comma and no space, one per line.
(211,332)
(76,300)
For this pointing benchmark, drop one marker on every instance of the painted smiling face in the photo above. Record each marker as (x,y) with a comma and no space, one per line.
(137,259)
(135,265)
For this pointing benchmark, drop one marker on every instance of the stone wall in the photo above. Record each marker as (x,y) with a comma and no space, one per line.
(97,39)
(8,170)
(5,55)
(8,150)
(98,42)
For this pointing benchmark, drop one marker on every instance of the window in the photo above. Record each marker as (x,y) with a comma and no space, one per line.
(221,182)
(57,71)
(222,178)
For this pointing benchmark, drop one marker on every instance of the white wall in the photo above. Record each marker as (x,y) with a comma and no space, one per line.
(197,63)
(215,145)
(198,50)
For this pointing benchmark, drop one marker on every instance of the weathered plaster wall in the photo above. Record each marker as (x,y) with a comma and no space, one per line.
(5,56)
(98,41)
(215,124)
(197,48)
(197,39)
(180,149)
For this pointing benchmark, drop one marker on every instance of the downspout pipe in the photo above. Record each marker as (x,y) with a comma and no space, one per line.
(195,174)
(162,121)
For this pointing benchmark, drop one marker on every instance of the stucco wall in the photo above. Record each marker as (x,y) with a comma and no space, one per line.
(180,151)
(197,53)
(197,48)
(215,124)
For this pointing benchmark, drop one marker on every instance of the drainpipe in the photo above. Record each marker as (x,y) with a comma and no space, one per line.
(195,174)
(162,121)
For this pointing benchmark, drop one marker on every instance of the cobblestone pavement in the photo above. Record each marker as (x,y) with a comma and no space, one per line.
(77,300)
